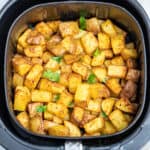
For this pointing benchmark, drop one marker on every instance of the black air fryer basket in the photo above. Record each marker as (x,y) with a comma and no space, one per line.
(15,18)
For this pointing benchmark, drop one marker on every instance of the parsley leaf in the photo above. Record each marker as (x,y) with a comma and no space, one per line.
(41,109)
(103,114)
(91,79)
(82,23)
(56,97)
(97,52)
(57,58)
(53,76)
(71,105)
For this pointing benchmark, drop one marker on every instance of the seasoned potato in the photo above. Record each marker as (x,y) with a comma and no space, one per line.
(33,76)
(118,119)
(58,130)
(79,48)
(89,43)
(133,74)
(130,45)
(57,120)
(20,49)
(17,80)
(22,98)
(108,128)
(36,61)
(53,25)
(23,119)
(69,59)
(48,124)
(108,53)
(94,105)
(73,129)
(46,56)
(57,88)
(129,53)
(65,68)
(95,125)
(107,62)
(45,84)
(48,116)
(86,59)
(118,60)
(131,63)
(128,117)
(103,41)
(80,34)
(64,79)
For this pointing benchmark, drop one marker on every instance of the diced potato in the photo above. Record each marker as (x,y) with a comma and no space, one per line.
(79,48)
(126,106)
(68,28)
(107,62)
(107,105)
(20,49)
(59,110)
(48,124)
(37,125)
(73,129)
(109,128)
(17,80)
(57,88)
(98,90)
(45,84)
(46,56)
(21,64)
(120,31)
(114,85)
(48,116)
(128,117)
(118,43)
(74,80)
(118,60)
(41,96)
(92,25)
(103,41)
(22,98)
(118,120)
(57,120)
(32,109)
(117,71)
(23,119)
(86,59)
(130,45)
(133,74)
(33,76)
(129,53)
(36,61)
(81,69)
(65,68)
(58,130)
(69,59)
(64,79)
(65,98)
(101,73)
(108,53)
(89,43)
(94,105)
(131,63)
(108,27)
(95,125)
(53,25)
(80,34)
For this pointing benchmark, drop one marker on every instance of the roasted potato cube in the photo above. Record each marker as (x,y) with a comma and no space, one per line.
(118,61)
(114,85)
(107,62)
(108,28)
(107,105)
(128,117)
(81,69)
(73,129)
(79,48)
(17,80)
(117,71)
(118,119)
(45,84)
(103,41)
(57,50)
(118,43)
(46,56)
(20,49)
(22,98)
(89,43)
(41,96)
(48,115)
(37,125)
(58,130)
(59,110)
(93,105)
(86,59)
(131,63)
(108,128)
(126,106)
(74,80)
(68,28)
(129,53)
(130,45)
(133,74)
(95,125)
(57,88)
(101,73)
(33,76)
(108,54)
(65,68)
(80,34)
(48,124)
(57,120)
(64,79)
(23,119)
(69,59)
(53,25)
(120,31)
(36,61)
(92,25)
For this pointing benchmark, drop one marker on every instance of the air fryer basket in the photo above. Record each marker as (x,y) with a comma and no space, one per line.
(68,11)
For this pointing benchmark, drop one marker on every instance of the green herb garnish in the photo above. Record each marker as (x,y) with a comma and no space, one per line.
(91,79)
(52,76)
(41,109)
(83,13)
(97,52)
(57,58)
(71,105)
(82,23)
(103,114)
(56,97)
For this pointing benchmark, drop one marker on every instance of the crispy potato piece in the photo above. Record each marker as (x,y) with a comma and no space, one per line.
(131,63)
(46,56)
(48,116)
(114,85)
(89,43)
(107,105)
(128,117)
(45,84)
(23,119)
(117,71)
(36,61)
(33,76)
(81,69)
(65,68)
(86,59)
(133,74)
(93,105)
(118,43)
(79,48)
(118,120)
(92,25)
(103,41)
(108,28)
(108,128)
(48,124)
(107,62)
(130,45)
(108,54)
(17,80)
(57,88)
(126,106)
(129,53)
(53,25)
(74,80)
(69,59)
(120,31)
(58,130)
(21,64)
(57,120)
(80,34)
(95,125)
(59,110)
(36,125)
(68,28)
(118,61)
(73,129)
(22,98)
(41,96)
(20,49)
(64,79)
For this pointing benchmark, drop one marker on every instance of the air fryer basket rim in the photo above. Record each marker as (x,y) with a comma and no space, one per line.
(81,138)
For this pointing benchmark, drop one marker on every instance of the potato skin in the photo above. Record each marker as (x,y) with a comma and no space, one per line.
(23,119)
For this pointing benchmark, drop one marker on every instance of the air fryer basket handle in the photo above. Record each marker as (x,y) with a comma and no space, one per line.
(73,145)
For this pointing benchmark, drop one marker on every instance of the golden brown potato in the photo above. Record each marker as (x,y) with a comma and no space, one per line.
(36,61)
(65,68)
(86,59)
(89,43)
(79,48)
(20,49)
(107,62)
(129,53)
(23,119)
(69,59)
(94,105)
(95,125)
(131,63)
(80,34)
(46,56)
(130,45)
(57,120)
(118,119)
(53,25)
(57,88)
(22,98)
(133,74)
(17,80)
(108,54)
(33,76)
(118,60)
(108,128)
(128,117)
(64,79)
(45,84)
(48,115)
(48,124)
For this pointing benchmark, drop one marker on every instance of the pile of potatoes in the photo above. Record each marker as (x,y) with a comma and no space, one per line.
(75,78)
